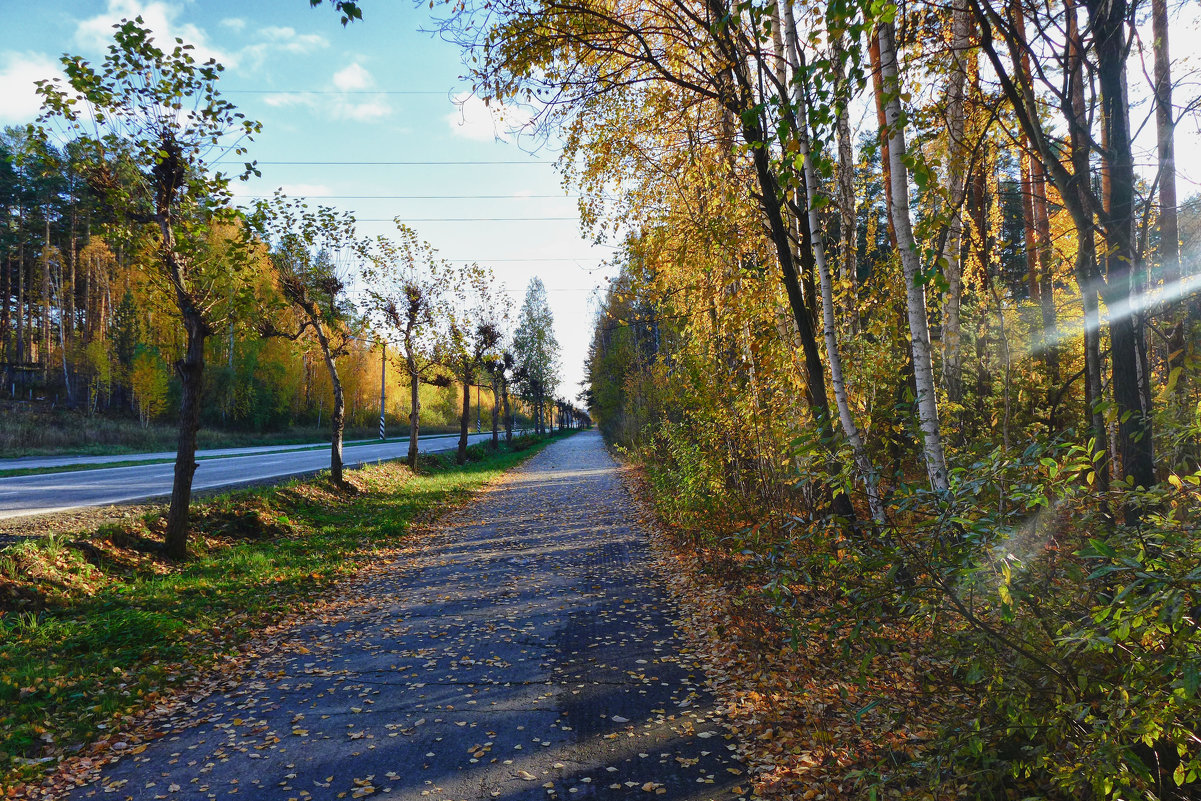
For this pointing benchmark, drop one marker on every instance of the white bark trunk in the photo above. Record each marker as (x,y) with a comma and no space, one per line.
(915,292)
(863,462)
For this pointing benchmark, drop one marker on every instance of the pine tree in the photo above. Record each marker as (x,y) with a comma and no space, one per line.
(536,349)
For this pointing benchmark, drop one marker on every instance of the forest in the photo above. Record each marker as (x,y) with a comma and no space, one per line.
(87,327)
(904,338)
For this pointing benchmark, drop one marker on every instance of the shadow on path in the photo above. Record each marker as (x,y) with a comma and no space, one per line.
(527,653)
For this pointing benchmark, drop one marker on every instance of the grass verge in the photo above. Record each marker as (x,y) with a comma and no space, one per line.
(97,627)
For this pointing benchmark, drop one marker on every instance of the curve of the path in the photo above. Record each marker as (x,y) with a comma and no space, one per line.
(526,653)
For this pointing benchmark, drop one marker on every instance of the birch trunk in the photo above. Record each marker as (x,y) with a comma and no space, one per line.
(863,462)
(915,293)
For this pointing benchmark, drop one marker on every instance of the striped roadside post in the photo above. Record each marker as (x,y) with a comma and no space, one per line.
(383,385)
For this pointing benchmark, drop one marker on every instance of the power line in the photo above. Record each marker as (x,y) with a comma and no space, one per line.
(383,163)
(550,289)
(465,219)
(420,197)
(472,261)
(337,91)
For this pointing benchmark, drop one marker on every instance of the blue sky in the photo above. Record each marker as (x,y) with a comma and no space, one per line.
(378,90)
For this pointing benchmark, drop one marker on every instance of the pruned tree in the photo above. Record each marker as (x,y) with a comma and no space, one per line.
(476,334)
(161,111)
(408,287)
(309,251)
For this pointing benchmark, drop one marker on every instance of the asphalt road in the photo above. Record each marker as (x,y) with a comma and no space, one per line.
(527,653)
(40,462)
(22,496)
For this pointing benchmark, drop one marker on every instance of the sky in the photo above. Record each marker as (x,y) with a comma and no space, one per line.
(379,90)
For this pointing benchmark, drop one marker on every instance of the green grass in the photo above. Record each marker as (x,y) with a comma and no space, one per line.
(85,643)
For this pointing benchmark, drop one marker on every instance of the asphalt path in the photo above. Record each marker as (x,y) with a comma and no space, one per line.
(526,653)
(21,496)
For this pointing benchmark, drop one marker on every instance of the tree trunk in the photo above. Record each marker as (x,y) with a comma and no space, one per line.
(848,236)
(1131,380)
(19,356)
(1169,233)
(915,293)
(1169,229)
(495,412)
(190,370)
(69,284)
(1046,277)
(464,420)
(504,391)
(952,335)
(1087,275)
(414,409)
(44,341)
(6,299)
(863,462)
(337,422)
(873,53)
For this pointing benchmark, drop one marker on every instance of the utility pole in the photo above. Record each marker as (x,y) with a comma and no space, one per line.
(383,385)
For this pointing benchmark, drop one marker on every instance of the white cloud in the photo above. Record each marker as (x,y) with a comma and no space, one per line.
(305,190)
(474,119)
(335,105)
(19,102)
(288,99)
(95,34)
(282,40)
(366,111)
(288,39)
(352,78)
